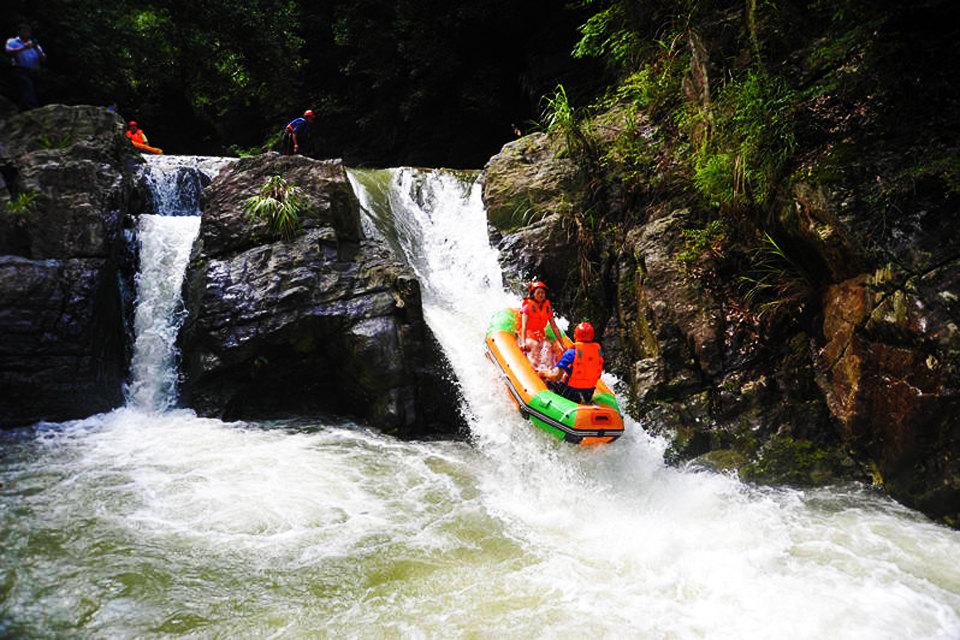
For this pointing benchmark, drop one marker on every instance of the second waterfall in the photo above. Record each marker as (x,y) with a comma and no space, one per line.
(165,239)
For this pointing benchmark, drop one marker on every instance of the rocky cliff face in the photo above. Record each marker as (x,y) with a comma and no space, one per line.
(325,322)
(854,372)
(66,188)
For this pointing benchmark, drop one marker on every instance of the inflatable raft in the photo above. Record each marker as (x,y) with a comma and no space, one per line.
(145,148)
(584,424)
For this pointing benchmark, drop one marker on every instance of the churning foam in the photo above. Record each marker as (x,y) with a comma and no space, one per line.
(139,523)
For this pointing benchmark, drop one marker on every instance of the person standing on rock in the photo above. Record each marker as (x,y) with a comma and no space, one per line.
(27,55)
(535,314)
(297,134)
(576,374)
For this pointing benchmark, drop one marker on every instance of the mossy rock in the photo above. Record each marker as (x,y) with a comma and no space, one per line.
(786,460)
(722,460)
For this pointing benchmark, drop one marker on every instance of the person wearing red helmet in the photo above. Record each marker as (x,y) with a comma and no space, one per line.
(135,133)
(535,314)
(576,374)
(297,133)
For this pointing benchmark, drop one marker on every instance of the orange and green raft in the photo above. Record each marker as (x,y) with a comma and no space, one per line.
(586,424)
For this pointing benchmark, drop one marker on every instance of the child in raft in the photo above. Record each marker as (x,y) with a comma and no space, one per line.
(535,314)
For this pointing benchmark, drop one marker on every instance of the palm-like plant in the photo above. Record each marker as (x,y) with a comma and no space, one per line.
(279,204)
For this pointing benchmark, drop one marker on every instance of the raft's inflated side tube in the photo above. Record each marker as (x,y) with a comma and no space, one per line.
(584,424)
(146,148)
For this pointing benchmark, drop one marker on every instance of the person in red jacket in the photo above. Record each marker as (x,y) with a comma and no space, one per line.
(576,374)
(535,314)
(135,133)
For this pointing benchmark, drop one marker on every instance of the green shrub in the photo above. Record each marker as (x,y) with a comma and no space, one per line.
(714,178)
(610,34)
(749,141)
(697,242)
(270,143)
(51,142)
(560,119)
(279,204)
(22,204)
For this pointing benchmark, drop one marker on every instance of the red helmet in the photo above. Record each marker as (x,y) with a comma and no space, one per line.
(308,114)
(132,124)
(537,284)
(583,332)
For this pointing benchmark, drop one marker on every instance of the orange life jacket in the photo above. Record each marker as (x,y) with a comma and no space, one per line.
(137,136)
(587,366)
(538,315)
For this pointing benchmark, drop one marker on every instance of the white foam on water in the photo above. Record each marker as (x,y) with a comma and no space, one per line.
(146,523)
(173,182)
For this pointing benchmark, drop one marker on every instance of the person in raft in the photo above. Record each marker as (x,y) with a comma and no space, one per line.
(136,134)
(297,134)
(576,374)
(535,314)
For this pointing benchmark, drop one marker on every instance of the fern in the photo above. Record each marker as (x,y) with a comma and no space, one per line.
(22,203)
(279,204)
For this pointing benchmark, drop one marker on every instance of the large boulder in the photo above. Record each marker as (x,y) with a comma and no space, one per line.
(890,373)
(531,193)
(324,322)
(66,188)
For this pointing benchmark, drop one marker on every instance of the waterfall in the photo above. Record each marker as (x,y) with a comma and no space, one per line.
(175,182)
(148,522)
(166,239)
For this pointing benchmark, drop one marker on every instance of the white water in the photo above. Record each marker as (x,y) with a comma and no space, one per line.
(165,243)
(147,524)
(175,183)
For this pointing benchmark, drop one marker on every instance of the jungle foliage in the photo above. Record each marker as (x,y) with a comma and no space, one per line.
(730,101)
(392,81)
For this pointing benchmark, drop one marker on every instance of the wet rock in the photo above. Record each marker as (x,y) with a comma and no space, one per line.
(326,322)
(63,352)
(811,222)
(528,181)
(889,372)
(530,194)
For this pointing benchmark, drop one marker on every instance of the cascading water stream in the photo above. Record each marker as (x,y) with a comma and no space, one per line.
(152,522)
(669,553)
(166,239)
(165,244)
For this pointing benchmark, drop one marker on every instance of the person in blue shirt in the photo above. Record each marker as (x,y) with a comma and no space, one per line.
(297,134)
(27,56)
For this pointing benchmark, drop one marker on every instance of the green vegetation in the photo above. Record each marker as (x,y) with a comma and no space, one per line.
(609,34)
(561,120)
(55,142)
(775,281)
(23,203)
(271,143)
(708,240)
(749,141)
(279,204)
